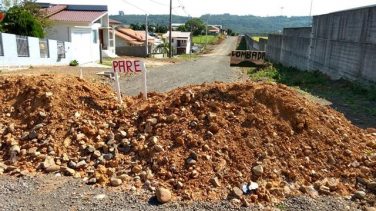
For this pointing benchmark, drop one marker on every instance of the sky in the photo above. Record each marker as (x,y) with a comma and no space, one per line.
(196,8)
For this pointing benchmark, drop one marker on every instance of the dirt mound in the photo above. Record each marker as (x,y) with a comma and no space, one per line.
(254,142)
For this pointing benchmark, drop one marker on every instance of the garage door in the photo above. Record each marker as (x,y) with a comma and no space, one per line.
(81,43)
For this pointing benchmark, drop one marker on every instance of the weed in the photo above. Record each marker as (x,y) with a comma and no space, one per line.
(281,206)
(73,63)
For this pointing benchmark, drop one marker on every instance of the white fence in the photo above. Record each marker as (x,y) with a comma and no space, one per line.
(30,51)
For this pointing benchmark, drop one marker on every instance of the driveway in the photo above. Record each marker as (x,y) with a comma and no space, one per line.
(207,68)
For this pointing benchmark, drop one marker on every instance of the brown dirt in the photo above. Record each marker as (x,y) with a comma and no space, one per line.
(227,128)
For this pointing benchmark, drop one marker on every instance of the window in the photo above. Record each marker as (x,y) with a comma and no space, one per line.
(60,49)
(95,37)
(1,45)
(22,46)
(43,47)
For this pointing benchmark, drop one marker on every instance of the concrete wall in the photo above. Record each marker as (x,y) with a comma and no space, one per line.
(11,58)
(253,45)
(137,51)
(341,44)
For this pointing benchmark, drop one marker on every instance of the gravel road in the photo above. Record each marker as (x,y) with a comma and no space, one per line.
(208,68)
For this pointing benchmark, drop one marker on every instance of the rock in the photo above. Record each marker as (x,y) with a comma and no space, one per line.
(153,140)
(258,170)
(369,209)
(237,193)
(194,174)
(97,154)
(179,185)
(116,182)
(215,182)
(92,181)
(68,171)
(152,121)
(49,94)
(80,136)
(371,185)
(211,116)
(42,114)
(331,160)
(72,164)
(179,141)
(371,130)
(360,194)
(325,190)
(48,161)
(158,148)
(32,135)
(90,149)
(163,195)
(253,186)
(333,184)
(52,168)
(15,149)
(191,161)
(123,133)
(136,169)
(81,164)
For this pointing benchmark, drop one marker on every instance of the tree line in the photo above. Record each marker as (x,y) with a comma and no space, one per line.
(240,24)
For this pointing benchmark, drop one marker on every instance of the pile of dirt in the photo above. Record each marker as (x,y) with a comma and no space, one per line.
(254,142)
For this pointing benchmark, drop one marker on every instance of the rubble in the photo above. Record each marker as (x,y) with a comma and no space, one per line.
(200,142)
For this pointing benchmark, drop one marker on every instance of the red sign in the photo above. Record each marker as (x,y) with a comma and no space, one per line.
(128,66)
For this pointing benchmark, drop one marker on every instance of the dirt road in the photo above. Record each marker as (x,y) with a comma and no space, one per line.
(208,68)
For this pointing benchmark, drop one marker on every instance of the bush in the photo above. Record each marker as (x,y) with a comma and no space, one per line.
(73,63)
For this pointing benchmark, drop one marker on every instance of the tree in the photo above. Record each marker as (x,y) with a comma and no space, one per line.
(135,26)
(161,29)
(19,21)
(164,46)
(196,25)
(182,28)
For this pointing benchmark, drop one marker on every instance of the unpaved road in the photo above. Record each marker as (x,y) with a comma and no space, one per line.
(208,68)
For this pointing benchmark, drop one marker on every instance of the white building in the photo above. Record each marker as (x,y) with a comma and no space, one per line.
(181,41)
(85,26)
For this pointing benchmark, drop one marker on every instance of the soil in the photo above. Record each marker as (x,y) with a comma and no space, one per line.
(233,133)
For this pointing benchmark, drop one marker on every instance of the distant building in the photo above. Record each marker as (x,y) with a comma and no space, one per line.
(121,13)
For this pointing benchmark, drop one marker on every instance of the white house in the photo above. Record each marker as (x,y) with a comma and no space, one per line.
(181,41)
(85,26)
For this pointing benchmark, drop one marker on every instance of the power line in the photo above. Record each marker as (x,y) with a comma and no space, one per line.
(159,3)
(136,7)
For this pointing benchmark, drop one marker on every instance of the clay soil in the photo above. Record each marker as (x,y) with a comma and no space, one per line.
(184,139)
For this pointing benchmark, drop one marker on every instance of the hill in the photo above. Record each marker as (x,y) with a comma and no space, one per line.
(240,24)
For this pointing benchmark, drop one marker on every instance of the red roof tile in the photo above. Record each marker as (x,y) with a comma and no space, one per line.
(127,38)
(54,9)
(78,16)
(114,21)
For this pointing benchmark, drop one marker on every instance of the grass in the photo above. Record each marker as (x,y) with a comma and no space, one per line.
(201,39)
(258,38)
(349,97)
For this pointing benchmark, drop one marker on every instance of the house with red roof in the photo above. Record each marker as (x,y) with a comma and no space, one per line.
(87,27)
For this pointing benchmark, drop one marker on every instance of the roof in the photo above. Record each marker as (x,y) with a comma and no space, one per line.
(114,21)
(178,34)
(54,9)
(127,38)
(77,16)
(73,13)
(137,35)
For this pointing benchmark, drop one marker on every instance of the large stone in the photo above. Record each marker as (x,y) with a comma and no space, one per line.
(136,169)
(258,170)
(53,168)
(116,182)
(370,209)
(371,185)
(81,164)
(360,194)
(49,161)
(236,192)
(163,195)
(215,182)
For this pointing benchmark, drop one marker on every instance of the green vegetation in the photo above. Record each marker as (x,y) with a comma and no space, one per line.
(239,24)
(73,63)
(347,96)
(212,39)
(242,44)
(19,21)
(258,38)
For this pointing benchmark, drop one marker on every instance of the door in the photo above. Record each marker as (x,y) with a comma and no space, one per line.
(82,48)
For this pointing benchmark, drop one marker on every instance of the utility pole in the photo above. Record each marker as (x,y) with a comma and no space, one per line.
(170,37)
(146,35)
(206,31)
(310,10)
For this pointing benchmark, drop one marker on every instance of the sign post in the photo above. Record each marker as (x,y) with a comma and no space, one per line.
(129,66)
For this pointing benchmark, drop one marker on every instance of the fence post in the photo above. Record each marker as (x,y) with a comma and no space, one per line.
(100,54)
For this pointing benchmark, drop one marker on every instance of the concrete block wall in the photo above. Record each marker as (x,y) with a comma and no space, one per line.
(10,56)
(341,44)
